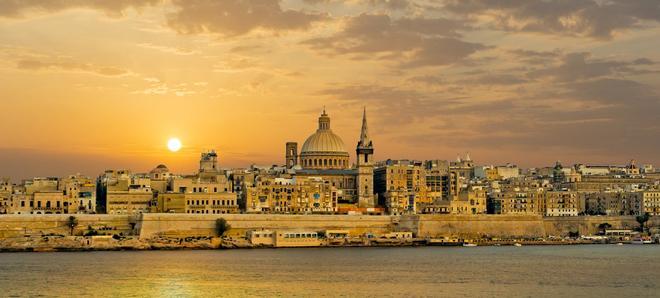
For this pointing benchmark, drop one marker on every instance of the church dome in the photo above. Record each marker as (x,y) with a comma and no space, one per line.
(324,149)
(160,169)
(324,141)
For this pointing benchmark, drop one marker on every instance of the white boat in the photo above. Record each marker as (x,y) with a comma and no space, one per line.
(517,244)
(469,245)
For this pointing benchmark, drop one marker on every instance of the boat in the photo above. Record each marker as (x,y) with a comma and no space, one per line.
(469,245)
(619,243)
(642,241)
(517,244)
(444,242)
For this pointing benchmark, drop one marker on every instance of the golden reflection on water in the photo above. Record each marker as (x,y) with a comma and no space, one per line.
(429,271)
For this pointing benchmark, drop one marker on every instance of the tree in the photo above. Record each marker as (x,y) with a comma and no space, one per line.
(72,223)
(221,226)
(642,219)
(603,227)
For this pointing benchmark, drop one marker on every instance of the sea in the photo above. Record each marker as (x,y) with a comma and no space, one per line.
(506,271)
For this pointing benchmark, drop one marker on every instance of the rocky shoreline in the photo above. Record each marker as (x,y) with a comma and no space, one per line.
(134,243)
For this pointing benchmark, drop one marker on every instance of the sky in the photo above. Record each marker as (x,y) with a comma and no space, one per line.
(88,85)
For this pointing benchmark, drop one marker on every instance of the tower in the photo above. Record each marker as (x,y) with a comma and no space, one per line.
(208,162)
(365,167)
(291,154)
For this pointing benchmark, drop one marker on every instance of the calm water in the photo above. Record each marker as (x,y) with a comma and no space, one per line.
(570,271)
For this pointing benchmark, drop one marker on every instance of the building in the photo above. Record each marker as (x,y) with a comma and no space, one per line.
(6,191)
(323,155)
(134,200)
(507,171)
(365,167)
(519,201)
(651,202)
(211,203)
(562,203)
(298,195)
(80,193)
(613,203)
(401,186)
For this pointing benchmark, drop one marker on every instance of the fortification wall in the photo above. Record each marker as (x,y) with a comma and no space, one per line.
(204,225)
(588,225)
(471,226)
(149,225)
(19,225)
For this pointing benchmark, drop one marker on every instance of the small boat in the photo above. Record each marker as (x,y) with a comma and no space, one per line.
(469,245)
(517,244)
(619,243)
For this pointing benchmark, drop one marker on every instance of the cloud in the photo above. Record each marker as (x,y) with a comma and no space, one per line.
(389,4)
(70,66)
(237,17)
(592,18)
(414,42)
(168,49)
(580,66)
(494,79)
(113,8)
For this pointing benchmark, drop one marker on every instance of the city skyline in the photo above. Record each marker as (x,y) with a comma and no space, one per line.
(284,159)
(92,86)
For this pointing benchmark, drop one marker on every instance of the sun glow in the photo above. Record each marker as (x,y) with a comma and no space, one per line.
(174,144)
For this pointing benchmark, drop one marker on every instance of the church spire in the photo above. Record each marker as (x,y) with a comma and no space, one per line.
(365,141)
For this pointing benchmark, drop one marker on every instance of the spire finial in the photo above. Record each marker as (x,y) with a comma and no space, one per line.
(324,113)
(365,141)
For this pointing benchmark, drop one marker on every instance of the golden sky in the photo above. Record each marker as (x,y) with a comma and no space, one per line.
(87,85)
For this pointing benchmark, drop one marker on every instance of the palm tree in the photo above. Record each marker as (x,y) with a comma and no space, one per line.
(72,223)
(221,226)
(642,219)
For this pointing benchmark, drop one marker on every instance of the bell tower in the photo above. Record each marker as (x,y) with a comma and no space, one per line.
(365,167)
(291,154)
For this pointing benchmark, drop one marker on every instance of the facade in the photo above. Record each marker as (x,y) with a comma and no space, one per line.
(519,201)
(401,186)
(613,203)
(211,203)
(299,195)
(68,195)
(80,193)
(561,203)
(651,202)
(135,200)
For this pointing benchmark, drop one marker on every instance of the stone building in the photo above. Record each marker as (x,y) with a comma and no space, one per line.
(562,203)
(613,203)
(401,186)
(80,192)
(651,202)
(519,201)
(6,190)
(134,200)
(298,195)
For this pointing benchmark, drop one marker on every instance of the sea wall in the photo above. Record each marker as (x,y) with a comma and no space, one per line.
(173,225)
(184,225)
(588,225)
(474,226)
(15,225)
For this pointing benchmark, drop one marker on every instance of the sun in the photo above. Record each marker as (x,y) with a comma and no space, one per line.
(174,144)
